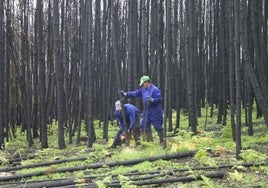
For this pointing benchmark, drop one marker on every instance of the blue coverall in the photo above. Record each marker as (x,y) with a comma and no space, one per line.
(152,111)
(133,119)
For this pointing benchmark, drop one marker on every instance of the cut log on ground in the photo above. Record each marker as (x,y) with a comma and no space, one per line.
(148,176)
(17,159)
(138,173)
(61,183)
(99,165)
(160,182)
(41,164)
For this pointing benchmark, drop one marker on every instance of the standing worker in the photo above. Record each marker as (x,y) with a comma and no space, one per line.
(152,109)
(133,119)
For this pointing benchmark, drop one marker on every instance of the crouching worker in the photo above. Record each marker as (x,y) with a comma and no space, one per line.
(132,118)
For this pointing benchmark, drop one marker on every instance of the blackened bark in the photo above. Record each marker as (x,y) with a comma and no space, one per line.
(153,40)
(259,54)
(35,119)
(50,70)
(248,56)
(190,62)
(144,37)
(89,118)
(59,77)
(107,81)
(67,69)
(237,77)
(26,77)
(176,92)
(160,46)
(2,65)
(247,48)
(42,74)
(115,45)
(132,43)
(167,68)
(231,66)
(223,61)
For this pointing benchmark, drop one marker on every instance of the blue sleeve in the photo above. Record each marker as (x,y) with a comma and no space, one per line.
(119,118)
(137,93)
(131,112)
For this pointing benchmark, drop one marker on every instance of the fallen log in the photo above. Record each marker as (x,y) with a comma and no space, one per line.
(171,172)
(180,179)
(75,186)
(98,165)
(41,164)
(154,174)
(138,173)
(17,159)
(87,185)
(60,183)
(169,180)
(142,178)
(12,185)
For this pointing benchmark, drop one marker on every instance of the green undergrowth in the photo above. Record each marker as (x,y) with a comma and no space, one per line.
(214,146)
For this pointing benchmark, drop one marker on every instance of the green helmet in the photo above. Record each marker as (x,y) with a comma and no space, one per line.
(144,79)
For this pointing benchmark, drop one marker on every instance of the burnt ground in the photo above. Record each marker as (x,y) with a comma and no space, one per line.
(189,174)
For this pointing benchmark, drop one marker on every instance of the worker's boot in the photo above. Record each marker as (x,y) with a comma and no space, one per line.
(115,143)
(149,135)
(137,135)
(143,136)
(137,142)
(161,137)
(127,139)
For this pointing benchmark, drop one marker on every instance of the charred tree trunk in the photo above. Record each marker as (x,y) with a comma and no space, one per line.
(223,61)
(89,93)
(167,68)
(115,45)
(144,38)
(259,54)
(190,61)
(106,69)
(59,77)
(25,77)
(237,77)
(42,74)
(253,77)
(176,92)
(231,67)
(2,73)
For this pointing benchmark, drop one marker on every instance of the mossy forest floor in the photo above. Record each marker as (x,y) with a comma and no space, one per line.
(215,154)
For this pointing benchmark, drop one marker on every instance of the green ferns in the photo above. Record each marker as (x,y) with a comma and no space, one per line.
(202,157)
(251,155)
(227,131)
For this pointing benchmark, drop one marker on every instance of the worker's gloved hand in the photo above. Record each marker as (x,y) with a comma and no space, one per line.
(123,93)
(149,99)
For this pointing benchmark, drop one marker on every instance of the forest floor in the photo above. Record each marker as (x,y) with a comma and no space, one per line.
(207,159)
